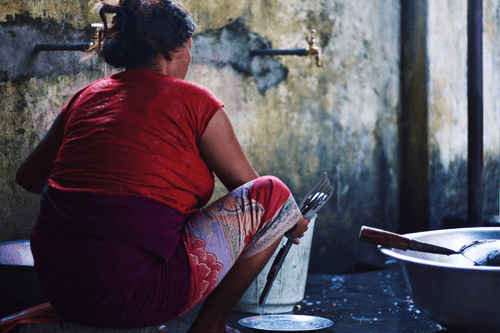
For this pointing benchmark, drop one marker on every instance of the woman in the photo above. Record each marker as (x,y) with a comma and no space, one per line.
(122,238)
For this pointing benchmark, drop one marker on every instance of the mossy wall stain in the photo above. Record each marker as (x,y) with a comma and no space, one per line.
(16,136)
(76,12)
(27,111)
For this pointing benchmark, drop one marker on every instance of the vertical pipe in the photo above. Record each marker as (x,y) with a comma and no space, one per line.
(104,68)
(475,113)
(414,201)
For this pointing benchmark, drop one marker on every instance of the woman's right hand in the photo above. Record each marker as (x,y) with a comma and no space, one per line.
(300,229)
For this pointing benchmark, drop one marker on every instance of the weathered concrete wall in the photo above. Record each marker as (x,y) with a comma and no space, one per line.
(294,119)
(491,91)
(33,89)
(448,107)
(340,118)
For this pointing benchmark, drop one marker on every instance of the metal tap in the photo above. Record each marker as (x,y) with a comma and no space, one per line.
(97,31)
(314,48)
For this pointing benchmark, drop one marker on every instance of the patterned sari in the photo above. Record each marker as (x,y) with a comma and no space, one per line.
(237,226)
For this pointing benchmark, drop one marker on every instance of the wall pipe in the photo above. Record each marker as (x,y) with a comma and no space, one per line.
(314,50)
(414,193)
(299,52)
(475,113)
(62,47)
(72,47)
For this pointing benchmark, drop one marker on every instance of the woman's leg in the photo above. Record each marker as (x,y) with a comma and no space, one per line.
(231,241)
(217,306)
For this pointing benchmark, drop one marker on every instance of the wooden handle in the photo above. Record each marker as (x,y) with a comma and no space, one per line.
(384,238)
(392,240)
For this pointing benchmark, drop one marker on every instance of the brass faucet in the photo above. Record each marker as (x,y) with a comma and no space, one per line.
(314,48)
(97,31)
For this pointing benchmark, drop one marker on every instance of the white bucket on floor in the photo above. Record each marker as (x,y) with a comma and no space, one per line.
(289,287)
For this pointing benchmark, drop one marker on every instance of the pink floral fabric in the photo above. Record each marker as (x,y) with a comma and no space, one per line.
(237,226)
(207,270)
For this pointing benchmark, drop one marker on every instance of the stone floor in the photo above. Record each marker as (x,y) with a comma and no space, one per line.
(375,301)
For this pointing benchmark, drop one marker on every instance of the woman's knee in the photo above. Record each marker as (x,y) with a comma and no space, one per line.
(272,184)
(269,191)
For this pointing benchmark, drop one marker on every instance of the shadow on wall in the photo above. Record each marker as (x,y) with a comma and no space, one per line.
(231,46)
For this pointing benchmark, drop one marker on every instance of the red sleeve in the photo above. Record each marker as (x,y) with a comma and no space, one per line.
(206,107)
(206,120)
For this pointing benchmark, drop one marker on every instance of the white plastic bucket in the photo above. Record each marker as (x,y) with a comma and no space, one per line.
(289,287)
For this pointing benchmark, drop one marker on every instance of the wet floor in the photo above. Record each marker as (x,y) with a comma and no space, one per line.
(374,302)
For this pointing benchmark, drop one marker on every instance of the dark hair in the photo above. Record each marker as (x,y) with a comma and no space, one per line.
(140,30)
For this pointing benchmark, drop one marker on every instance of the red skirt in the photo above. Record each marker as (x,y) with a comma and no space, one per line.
(105,282)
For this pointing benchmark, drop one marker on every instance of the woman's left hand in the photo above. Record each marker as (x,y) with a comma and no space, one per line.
(299,231)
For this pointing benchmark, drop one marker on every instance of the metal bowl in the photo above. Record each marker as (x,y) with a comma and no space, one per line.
(19,289)
(450,289)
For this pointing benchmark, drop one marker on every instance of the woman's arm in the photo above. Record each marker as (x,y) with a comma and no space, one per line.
(222,152)
(33,173)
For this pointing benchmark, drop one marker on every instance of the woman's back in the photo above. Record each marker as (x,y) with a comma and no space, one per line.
(136,133)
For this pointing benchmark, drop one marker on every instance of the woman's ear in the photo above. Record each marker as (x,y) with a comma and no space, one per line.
(173,54)
(177,52)
(166,55)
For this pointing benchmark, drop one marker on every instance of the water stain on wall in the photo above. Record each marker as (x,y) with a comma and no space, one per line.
(231,46)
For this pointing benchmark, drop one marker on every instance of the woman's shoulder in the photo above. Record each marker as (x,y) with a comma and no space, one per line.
(193,90)
(192,86)
(167,87)
(162,81)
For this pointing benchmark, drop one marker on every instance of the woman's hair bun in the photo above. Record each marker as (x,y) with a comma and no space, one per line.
(142,29)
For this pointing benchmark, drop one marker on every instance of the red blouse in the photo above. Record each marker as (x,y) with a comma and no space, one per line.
(136,133)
